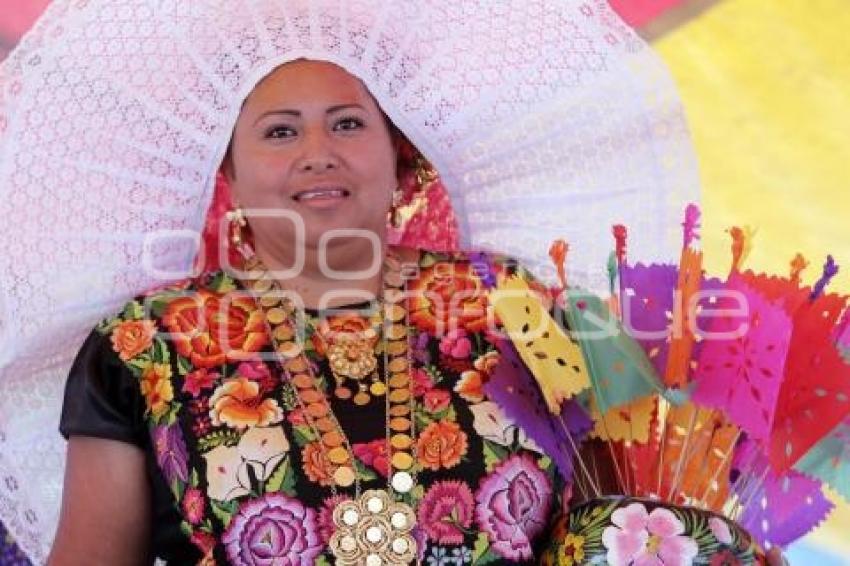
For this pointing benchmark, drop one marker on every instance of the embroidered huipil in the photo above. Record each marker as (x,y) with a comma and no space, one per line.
(238,476)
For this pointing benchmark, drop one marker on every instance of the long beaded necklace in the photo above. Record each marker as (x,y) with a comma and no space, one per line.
(375,527)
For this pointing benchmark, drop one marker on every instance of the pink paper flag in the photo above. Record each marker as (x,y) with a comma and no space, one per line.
(742,359)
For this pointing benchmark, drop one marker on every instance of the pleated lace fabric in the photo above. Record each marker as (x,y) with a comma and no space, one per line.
(545,120)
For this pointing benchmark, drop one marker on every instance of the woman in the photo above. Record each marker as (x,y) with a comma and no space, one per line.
(242,456)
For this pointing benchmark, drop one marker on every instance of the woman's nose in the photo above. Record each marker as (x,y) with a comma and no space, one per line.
(318,154)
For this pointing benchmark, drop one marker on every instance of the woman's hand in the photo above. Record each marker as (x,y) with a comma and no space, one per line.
(106,509)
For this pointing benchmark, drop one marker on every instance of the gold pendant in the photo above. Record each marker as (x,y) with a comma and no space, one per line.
(373,530)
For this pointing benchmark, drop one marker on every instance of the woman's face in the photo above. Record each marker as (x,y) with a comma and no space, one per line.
(311,140)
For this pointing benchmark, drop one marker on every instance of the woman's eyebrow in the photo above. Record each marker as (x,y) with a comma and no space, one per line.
(297,113)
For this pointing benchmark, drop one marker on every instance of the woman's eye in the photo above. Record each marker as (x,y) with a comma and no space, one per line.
(349,124)
(277,132)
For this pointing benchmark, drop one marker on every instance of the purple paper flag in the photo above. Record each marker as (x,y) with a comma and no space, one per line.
(782,508)
(647,307)
(514,389)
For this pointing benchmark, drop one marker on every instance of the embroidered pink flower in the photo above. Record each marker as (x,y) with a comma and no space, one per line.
(445,511)
(456,344)
(422,382)
(296,416)
(647,539)
(199,380)
(204,541)
(374,455)
(193,505)
(274,529)
(259,372)
(325,519)
(436,400)
(512,506)
(720,530)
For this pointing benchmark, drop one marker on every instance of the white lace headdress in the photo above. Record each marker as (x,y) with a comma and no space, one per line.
(544,118)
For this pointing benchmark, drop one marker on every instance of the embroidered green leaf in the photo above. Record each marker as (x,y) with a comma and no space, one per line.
(140,363)
(434,373)
(222,283)
(133,311)
(363,473)
(170,416)
(161,355)
(545,462)
(493,454)
(226,437)
(322,561)
(193,478)
(303,435)
(288,397)
(157,304)
(186,528)
(106,326)
(480,548)
(177,488)
(184,366)
(223,510)
(279,477)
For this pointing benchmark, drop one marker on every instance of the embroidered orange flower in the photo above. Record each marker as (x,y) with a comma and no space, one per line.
(448,291)
(211,330)
(238,403)
(315,464)
(441,445)
(132,337)
(470,386)
(156,388)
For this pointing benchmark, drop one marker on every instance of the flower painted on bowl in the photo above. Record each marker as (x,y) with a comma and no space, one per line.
(238,403)
(132,337)
(720,530)
(445,511)
(572,550)
(512,506)
(441,445)
(639,537)
(274,529)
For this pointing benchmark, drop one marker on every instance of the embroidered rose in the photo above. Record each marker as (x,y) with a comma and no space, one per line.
(204,541)
(198,380)
(470,386)
(436,400)
(238,403)
(456,344)
(325,519)
(448,293)
(441,445)
(445,511)
(170,450)
(422,382)
(316,464)
(512,506)
(274,529)
(261,449)
(193,505)
(132,337)
(259,372)
(211,330)
(156,388)
(647,538)
(374,455)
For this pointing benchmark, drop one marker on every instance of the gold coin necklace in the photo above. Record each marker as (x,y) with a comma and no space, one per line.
(375,528)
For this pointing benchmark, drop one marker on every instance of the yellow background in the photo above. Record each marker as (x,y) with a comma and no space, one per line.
(766,87)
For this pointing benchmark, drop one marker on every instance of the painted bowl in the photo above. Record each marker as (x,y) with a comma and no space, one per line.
(621,531)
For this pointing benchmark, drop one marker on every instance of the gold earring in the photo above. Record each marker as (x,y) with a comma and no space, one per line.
(237,223)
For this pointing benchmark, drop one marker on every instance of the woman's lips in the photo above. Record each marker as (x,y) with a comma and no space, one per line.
(322,197)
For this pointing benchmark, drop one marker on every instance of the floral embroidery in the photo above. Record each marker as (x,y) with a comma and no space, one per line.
(441,445)
(132,337)
(197,322)
(156,388)
(274,529)
(237,403)
(513,506)
(573,551)
(647,537)
(445,511)
(235,481)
